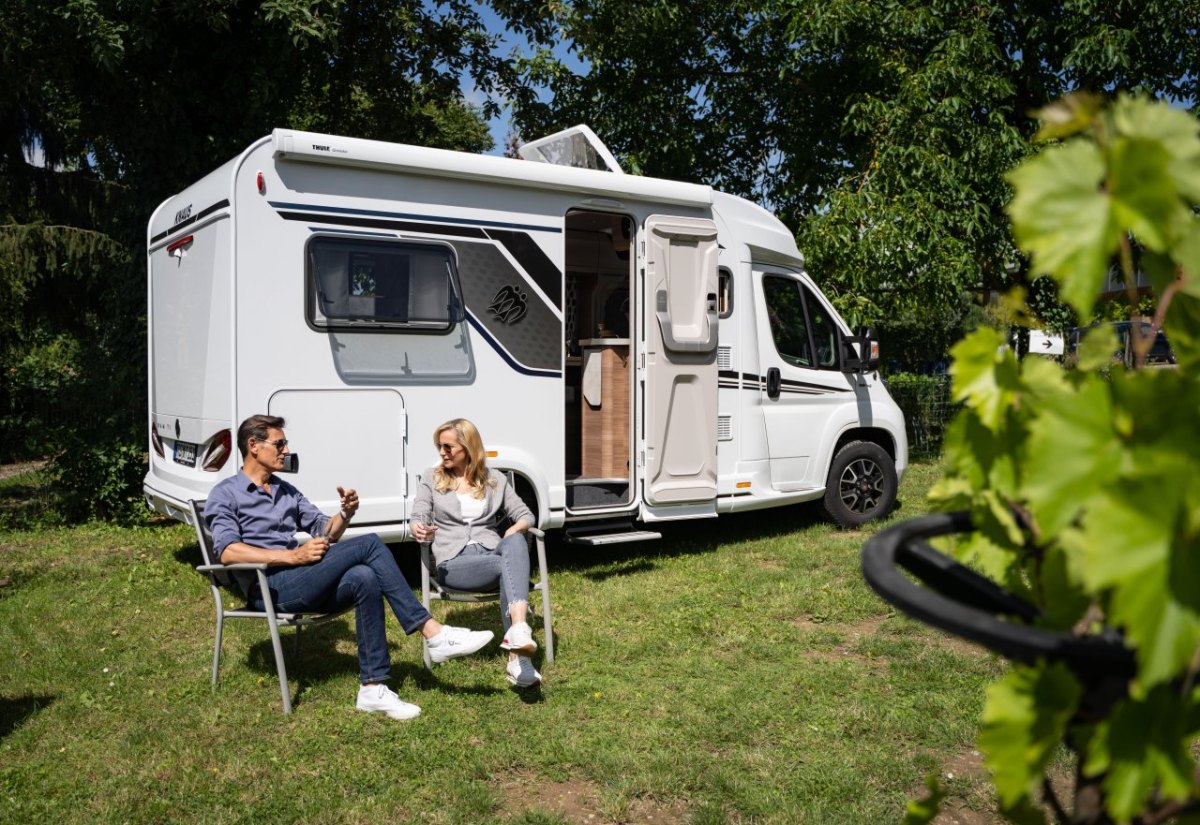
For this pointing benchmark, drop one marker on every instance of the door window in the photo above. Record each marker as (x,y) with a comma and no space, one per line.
(804,332)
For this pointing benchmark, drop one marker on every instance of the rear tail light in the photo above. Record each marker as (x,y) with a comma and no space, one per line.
(156,442)
(217,451)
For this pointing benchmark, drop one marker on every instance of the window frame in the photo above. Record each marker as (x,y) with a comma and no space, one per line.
(725,291)
(375,327)
(805,294)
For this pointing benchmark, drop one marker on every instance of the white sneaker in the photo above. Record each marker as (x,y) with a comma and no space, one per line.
(521,673)
(379,698)
(453,642)
(519,639)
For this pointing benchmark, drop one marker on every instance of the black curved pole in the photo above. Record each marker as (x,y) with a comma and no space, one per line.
(960,601)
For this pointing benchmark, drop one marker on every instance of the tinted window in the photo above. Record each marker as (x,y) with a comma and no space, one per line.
(804,331)
(789,327)
(381,284)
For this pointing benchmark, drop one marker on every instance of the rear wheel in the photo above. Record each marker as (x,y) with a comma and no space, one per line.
(861,484)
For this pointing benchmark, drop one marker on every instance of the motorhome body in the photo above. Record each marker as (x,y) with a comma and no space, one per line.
(633,349)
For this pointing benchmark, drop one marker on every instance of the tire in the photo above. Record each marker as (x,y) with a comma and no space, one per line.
(861,484)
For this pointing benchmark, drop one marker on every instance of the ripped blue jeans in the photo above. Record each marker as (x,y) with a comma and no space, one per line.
(478,569)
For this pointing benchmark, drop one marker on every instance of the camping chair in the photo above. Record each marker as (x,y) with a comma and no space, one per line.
(220,576)
(431,590)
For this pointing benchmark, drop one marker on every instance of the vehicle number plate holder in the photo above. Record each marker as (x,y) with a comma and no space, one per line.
(185,453)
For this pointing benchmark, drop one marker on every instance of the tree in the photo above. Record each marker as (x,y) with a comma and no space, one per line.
(127,102)
(881,131)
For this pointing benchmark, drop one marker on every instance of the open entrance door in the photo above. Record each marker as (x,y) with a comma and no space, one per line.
(680,300)
(599,365)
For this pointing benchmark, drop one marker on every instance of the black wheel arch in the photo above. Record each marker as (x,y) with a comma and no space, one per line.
(875,435)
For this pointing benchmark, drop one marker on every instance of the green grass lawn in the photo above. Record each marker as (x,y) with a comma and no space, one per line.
(735,671)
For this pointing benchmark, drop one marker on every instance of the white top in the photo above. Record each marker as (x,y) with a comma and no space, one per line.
(472,508)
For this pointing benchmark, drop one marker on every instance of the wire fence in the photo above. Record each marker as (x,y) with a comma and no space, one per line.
(925,402)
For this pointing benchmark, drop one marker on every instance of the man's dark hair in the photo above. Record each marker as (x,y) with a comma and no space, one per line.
(256,426)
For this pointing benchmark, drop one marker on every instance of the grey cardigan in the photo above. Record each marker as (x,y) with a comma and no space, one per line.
(453,533)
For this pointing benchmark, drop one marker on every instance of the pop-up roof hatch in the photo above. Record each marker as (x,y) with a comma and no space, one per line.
(577,146)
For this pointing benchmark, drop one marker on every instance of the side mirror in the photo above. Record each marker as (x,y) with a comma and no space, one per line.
(860,353)
(291,463)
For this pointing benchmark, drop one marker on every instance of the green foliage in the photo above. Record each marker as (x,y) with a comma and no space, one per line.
(127,103)
(1081,481)
(880,131)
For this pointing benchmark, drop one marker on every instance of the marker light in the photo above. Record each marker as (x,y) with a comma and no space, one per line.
(179,248)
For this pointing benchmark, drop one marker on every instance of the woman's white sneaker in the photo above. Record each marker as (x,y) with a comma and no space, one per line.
(521,673)
(379,698)
(519,639)
(453,642)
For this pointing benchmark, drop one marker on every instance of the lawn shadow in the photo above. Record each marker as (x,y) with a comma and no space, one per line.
(415,673)
(318,659)
(15,710)
(597,563)
(189,554)
(25,504)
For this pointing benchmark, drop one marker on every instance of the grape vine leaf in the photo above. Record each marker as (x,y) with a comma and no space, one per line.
(1142,749)
(1174,129)
(1072,452)
(1064,220)
(984,375)
(1024,718)
(1129,546)
(924,811)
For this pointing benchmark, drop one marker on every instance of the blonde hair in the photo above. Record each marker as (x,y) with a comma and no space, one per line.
(469,441)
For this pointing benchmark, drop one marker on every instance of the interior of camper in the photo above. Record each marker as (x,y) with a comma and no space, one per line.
(598,312)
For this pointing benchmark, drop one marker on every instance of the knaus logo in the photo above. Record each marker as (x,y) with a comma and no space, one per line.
(183,214)
(509,305)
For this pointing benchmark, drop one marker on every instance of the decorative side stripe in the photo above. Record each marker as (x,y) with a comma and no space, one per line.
(527,253)
(379,223)
(521,368)
(533,260)
(199,216)
(436,219)
(790,386)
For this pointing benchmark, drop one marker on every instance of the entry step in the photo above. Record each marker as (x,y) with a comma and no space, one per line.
(617,537)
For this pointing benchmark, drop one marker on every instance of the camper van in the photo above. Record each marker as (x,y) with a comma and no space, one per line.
(633,350)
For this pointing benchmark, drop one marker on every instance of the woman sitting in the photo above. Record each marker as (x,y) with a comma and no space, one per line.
(458,510)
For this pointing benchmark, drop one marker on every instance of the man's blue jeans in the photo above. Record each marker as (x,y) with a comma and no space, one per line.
(357,571)
(478,569)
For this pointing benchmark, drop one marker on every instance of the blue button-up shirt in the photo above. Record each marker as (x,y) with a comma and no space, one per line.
(238,510)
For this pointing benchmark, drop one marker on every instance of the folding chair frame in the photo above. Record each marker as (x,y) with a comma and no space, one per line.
(432,591)
(220,576)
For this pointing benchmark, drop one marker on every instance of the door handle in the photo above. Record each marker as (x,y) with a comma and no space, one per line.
(774,382)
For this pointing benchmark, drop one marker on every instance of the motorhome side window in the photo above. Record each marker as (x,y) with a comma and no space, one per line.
(357,284)
(803,330)
(724,293)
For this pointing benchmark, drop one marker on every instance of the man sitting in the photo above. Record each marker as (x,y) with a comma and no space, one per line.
(254,517)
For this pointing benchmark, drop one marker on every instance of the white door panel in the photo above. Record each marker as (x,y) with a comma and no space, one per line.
(798,342)
(351,437)
(681,360)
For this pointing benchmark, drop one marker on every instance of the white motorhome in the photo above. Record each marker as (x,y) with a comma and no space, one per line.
(634,350)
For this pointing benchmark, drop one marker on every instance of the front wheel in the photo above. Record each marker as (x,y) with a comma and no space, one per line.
(861,484)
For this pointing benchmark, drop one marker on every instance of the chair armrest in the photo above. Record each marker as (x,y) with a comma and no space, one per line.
(536,532)
(245,565)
